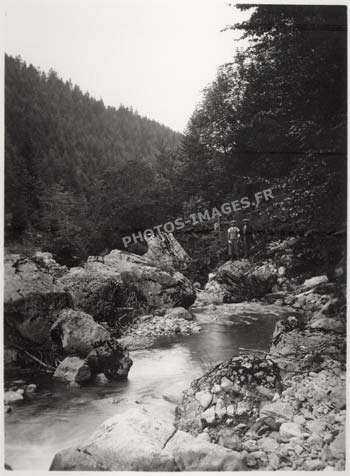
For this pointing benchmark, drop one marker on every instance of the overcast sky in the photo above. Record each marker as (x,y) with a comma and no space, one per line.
(153,55)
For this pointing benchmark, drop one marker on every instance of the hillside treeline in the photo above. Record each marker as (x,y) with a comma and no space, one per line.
(80,175)
(277,114)
(280,104)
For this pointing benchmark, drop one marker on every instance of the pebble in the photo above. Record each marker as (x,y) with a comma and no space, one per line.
(275,435)
(13,396)
(209,415)
(236,388)
(281,270)
(204,398)
(313,374)
(231,441)
(226,384)
(313,464)
(243,408)
(259,455)
(299,419)
(271,422)
(216,388)
(316,426)
(240,426)
(340,465)
(298,449)
(327,437)
(101,379)
(277,409)
(250,460)
(274,461)
(314,438)
(290,429)
(268,444)
(250,445)
(276,397)
(339,418)
(32,388)
(220,408)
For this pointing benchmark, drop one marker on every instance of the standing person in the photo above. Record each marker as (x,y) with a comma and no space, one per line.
(248,237)
(233,237)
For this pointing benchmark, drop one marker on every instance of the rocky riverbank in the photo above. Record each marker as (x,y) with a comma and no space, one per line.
(283,410)
(137,440)
(68,321)
(286,410)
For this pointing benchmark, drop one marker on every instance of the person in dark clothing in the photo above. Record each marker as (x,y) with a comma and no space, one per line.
(248,237)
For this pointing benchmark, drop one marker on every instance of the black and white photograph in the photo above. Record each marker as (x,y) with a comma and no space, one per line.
(174,236)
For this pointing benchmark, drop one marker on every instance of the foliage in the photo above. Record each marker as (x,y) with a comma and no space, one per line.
(277,112)
(282,98)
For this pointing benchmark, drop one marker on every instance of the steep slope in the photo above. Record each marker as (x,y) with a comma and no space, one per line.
(76,168)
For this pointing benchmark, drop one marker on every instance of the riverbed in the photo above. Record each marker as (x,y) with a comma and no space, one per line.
(37,429)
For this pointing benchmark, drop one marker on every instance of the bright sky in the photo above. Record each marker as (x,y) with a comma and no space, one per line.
(153,55)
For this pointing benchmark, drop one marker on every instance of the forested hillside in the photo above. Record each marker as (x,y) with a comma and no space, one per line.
(279,104)
(78,174)
(277,115)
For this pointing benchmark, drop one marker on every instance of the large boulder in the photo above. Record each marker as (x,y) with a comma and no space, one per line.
(96,290)
(73,370)
(131,441)
(160,288)
(111,359)
(241,280)
(77,332)
(32,296)
(167,253)
(228,395)
(122,279)
(136,440)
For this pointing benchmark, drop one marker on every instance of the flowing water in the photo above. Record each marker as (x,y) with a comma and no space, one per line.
(36,430)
